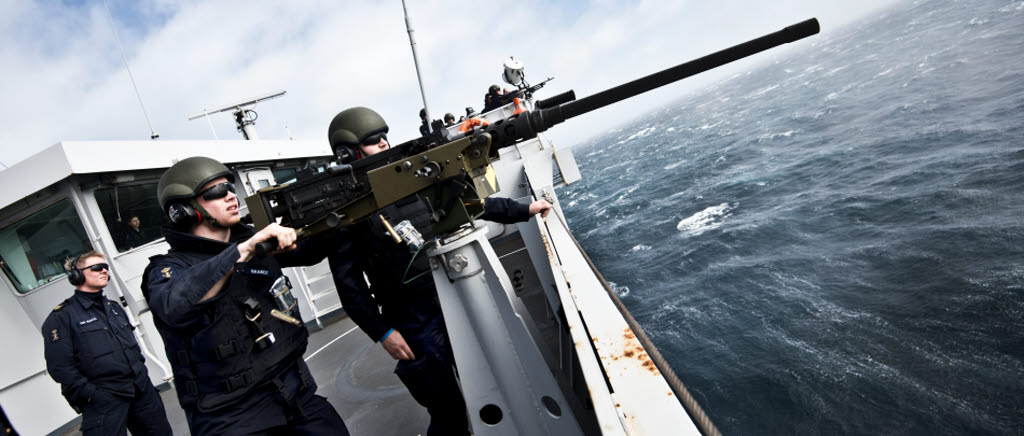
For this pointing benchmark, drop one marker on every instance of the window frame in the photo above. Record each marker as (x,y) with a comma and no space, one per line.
(104,226)
(42,201)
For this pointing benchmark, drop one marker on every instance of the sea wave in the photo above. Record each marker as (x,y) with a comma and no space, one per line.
(708,219)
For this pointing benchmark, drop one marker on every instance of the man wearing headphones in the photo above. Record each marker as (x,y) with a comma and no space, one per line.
(91,351)
(236,355)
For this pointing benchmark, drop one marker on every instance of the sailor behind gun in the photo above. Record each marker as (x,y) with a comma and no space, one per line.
(91,351)
(237,364)
(409,324)
(497,97)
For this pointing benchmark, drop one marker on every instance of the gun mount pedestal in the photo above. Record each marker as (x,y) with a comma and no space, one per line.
(508,388)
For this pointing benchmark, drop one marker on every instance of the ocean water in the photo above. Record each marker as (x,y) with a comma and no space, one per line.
(833,243)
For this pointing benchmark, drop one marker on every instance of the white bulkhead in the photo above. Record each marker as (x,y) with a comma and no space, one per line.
(78,196)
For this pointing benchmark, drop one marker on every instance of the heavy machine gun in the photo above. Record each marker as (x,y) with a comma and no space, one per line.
(451,172)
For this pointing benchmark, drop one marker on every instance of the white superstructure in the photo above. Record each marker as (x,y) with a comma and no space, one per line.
(67,199)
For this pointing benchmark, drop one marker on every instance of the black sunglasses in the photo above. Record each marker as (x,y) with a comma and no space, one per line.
(374,139)
(219,190)
(97,267)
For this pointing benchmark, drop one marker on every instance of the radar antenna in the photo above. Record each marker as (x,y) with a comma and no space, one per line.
(245,118)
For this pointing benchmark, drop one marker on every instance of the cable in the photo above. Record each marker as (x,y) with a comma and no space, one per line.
(406,273)
(689,402)
(152,133)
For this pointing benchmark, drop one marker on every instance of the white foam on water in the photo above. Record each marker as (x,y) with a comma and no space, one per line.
(772,135)
(765,90)
(643,133)
(1011,7)
(707,219)
(673,165)
(620,291)
(833,71)
(709,126)
(640,247)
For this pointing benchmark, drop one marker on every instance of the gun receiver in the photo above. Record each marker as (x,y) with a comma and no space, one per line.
(447,172)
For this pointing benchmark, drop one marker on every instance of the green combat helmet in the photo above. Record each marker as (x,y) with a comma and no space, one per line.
(183,180)
(351,127)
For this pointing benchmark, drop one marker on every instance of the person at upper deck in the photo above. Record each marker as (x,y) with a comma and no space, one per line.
(237,365)
(497,97)
(91,351)
(424,127)
(408,324)
(132,235)
(449,119)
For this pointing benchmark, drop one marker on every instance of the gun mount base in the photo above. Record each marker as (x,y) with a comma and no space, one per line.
(508,387)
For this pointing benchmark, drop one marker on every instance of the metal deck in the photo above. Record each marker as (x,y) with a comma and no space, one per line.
(357,378)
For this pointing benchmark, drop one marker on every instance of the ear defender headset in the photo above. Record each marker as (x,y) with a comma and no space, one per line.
(184,215)
(346,154)
(75,275)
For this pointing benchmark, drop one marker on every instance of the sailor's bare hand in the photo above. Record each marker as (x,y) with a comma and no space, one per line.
(285,237)
(395,345)
(540,206)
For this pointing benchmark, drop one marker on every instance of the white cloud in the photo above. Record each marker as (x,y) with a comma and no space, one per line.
(64,79)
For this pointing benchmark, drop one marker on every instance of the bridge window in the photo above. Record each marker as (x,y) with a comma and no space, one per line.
(282,175)
(132,214)
(33,250)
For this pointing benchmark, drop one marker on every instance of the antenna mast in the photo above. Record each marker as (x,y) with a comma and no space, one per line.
(152,133)
(415,61)
(245,119)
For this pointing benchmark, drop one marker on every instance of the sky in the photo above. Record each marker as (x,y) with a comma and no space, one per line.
(64,79)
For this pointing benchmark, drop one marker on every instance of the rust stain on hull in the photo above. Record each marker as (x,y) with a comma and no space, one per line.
(633,350)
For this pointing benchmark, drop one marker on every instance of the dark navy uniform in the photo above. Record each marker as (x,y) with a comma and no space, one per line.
(238,370)
(91,351)
(411,308)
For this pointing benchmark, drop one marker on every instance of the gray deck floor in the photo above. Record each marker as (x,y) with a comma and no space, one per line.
(356,376)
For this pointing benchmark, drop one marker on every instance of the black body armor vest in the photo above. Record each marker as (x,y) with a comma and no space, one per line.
(236,345)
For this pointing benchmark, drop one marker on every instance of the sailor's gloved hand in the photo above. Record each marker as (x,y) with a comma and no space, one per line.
(395,345)
(540,206)
(285,237)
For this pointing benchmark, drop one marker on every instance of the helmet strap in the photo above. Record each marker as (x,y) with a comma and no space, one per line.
(205,216)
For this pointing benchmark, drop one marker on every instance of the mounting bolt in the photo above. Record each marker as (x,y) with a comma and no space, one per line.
(459,262)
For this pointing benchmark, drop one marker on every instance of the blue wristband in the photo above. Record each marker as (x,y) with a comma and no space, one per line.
(386,335)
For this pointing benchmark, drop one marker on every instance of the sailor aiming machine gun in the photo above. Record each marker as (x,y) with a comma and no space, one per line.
(437,167)
(508,387)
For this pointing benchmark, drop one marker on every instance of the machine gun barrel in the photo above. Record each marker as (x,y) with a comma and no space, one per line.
(338,197)
(604,98)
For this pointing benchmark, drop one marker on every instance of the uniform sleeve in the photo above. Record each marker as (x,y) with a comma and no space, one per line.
(59,352)
(505,210)
(347,269)
(174,288)
(309,251)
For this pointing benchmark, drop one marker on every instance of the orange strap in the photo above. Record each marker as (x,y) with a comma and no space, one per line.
(519,106)
(471,123)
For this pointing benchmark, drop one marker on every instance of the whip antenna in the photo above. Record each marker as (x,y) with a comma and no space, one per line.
(152,133)
(415,61)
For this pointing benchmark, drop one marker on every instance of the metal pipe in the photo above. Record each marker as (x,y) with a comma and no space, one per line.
(415,61)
